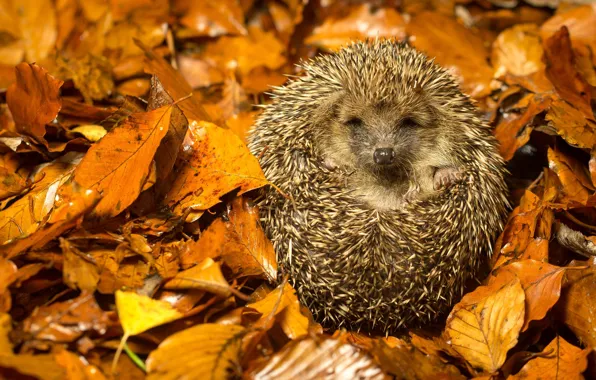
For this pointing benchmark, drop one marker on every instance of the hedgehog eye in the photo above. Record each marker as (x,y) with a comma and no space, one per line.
(408,122)
(354,123)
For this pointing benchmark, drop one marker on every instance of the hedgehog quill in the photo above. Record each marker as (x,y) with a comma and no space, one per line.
(397,186)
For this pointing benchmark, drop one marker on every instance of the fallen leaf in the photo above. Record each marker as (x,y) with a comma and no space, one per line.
(311,358)
(67,321)
(486,324)
(580,21)
(518,51)
(34,100)
(577,307)
(115,272)
(571,125)
(561,71)
(466,59)
(218,163)
(205,276)
(240,241)
(43,367)
(120,173)
(204,351)
(576,185)
(139,313)
(283,302)
(541,283)
(5,329)
(358,22)
(80,272)
(559,360)
(211,18)
(8,274)
(77,367)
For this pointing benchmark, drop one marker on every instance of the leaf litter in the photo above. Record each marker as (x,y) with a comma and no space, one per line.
(126,221)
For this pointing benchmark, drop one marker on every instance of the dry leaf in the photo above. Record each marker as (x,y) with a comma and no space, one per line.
(5,329)
(80,272)
(205,351)
(8,274)
(580,21)
(34,100)
(219,163)
(120,174)
(358,22)
(559,360)
(319,358)
(283,301)
(486,323)
(572,125)
(518,51)
(205,276)
(211,18)
(240,241)
(576,185)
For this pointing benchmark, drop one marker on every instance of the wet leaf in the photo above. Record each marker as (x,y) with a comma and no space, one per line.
(218,164)
(34,100)
(205,351)
(486,323)
(559,360)
(120,174)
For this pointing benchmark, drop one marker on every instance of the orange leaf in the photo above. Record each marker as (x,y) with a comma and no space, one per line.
(211,18)
(240,241)
(119,164)
(34,100)
(219,163)
(357,23)
(580,21)
(518,51)
(205,276)
(486,323)
(559,360)
(574,180)
(572,125)
(80,272)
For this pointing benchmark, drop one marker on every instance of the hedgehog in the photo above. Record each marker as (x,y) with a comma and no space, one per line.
(392,187)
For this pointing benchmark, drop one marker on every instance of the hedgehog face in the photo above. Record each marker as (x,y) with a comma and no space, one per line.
(381,138)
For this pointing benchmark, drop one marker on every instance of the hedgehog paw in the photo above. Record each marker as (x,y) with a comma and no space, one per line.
(445,177)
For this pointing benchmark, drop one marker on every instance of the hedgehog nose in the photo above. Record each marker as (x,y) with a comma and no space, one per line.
(384,156)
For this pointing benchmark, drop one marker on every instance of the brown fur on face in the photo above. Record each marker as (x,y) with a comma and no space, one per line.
(351,127)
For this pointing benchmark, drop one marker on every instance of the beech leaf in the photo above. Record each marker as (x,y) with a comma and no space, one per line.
(205,276)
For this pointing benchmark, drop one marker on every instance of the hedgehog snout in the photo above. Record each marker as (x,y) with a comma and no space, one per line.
(384,156)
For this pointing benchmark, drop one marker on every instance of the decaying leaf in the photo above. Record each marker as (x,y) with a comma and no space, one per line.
(206,351)
(486,323)
(205,276)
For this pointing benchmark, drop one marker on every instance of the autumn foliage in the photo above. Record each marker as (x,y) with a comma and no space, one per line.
(129,245)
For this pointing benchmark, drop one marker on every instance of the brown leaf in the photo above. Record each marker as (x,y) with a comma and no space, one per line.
(577,307)
(561,71)
(576,185)
(34,100)
(5,329)
(8,271)
(234,98)
(205,351)
(67,321)
(116,272)
(283,303)
(559,360)
(518,51)
(580,21)
(205,276)
(486,323)
(210,18)
(311,358)
(357,23)
(258,49)
(43,367)
(240,241)
(466,59)
(12,182)
(572,125)
(542,286)
(80,272)
(218,163)
(514,132)
(119,164)
(25,215)
(91,76)
(174,84)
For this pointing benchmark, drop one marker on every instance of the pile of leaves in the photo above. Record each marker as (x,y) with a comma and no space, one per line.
(129,245)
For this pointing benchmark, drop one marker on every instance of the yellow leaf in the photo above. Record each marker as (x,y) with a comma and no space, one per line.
(139,313)
(206,351)
(486,323)
(204,276)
